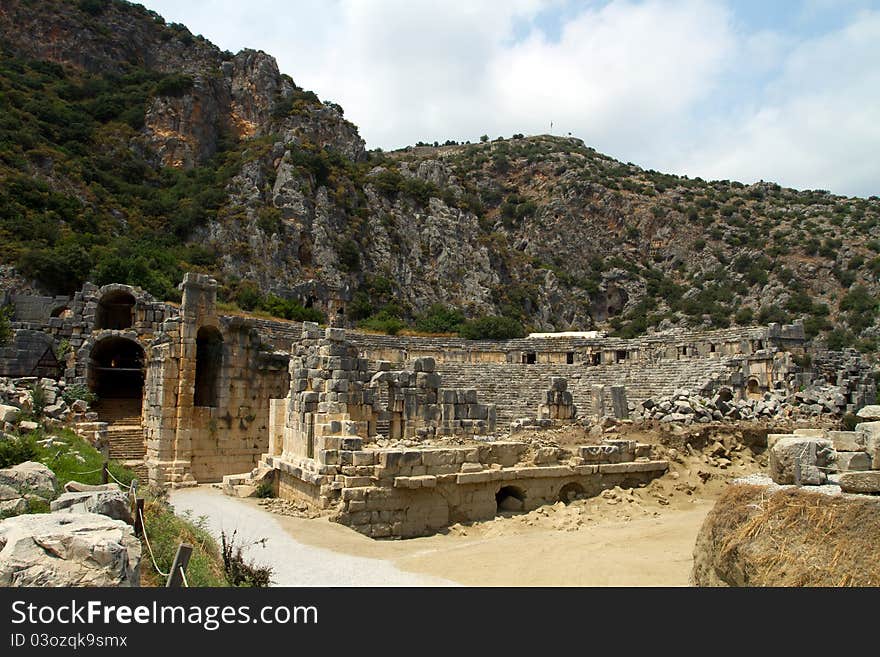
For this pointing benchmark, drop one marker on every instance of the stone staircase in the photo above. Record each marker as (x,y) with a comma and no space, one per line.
(125,433)
(517,389)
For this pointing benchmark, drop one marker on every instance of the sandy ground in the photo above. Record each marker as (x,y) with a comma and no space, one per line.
(636,537)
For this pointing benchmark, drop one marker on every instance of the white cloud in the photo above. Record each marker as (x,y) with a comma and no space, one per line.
(817,123)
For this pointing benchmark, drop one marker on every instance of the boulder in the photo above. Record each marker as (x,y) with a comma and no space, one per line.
(111,503)
(30,477)
(812,454)
(55,411)
(13,507)
(8,413)
(871,412)
(860,482)
(68,549)
(27,425)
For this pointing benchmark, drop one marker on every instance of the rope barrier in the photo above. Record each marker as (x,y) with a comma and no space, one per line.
(89,472)
(150,548)
(183,575)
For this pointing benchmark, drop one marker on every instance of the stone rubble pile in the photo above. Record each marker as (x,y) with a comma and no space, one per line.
(17,397)
(813,457)
(687,407)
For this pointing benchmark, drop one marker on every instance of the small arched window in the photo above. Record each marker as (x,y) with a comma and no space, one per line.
(209,361)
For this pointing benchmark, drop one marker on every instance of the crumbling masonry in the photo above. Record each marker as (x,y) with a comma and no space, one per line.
(201,395)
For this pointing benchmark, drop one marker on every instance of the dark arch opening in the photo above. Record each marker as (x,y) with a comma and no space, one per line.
(725,394)
(116,369)
(510,498)
(209,360)
(570,492)
(59,311)
(115,311)
(753,387)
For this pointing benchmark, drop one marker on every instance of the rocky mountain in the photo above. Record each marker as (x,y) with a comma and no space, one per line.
(131,150)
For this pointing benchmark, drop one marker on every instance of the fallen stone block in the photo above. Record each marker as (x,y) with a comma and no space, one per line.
(847,441)
(852,461)
(860,482)
(871,433)
(111,503)
(773,437)
(77,487)
(870,412)
(809,454)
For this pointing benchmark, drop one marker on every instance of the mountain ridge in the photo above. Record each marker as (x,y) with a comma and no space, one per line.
(193,158)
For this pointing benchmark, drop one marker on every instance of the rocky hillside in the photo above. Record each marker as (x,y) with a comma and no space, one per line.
(131,150)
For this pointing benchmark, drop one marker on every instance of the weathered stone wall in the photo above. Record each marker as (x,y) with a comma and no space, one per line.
(73,319)
(191,440)
(414,492)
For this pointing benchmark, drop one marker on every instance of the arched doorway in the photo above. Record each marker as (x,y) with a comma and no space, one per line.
(510,498)
(753,388)
(115,311)
(116,375)
(571,492)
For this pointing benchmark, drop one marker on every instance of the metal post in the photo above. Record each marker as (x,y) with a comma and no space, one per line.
(181,561)
(138,513)
(105,474)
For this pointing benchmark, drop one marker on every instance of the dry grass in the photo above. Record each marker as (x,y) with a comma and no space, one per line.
(797,538)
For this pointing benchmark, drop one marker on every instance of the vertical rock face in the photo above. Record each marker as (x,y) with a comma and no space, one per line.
(68,549)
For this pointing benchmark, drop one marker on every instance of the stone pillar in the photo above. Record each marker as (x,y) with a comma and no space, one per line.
(598,400)
(619,403)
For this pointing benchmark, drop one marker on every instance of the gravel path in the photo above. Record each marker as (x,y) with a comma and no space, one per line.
(293,563)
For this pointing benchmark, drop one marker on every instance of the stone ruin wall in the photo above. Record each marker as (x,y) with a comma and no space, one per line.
(189,439)
(187,442)
(323,454)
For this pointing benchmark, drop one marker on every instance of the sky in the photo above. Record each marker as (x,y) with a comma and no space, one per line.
(777,90)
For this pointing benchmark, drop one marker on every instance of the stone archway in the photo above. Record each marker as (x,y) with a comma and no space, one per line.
(116,368)
(510,498)
(115,310)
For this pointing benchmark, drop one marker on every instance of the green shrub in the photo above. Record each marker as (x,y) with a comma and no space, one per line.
(744,316)
(38,400)
(349,256)
(289,309)
(248,296)
(491,328)
(440,319)
(174,85)
(5,327)
(238,571)
(840,338)
(265,490)
(166,531)
(15,450)
(78,391)
(849,421)
(385,322)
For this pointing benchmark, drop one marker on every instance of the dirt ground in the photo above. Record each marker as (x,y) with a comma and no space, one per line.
(637,537)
